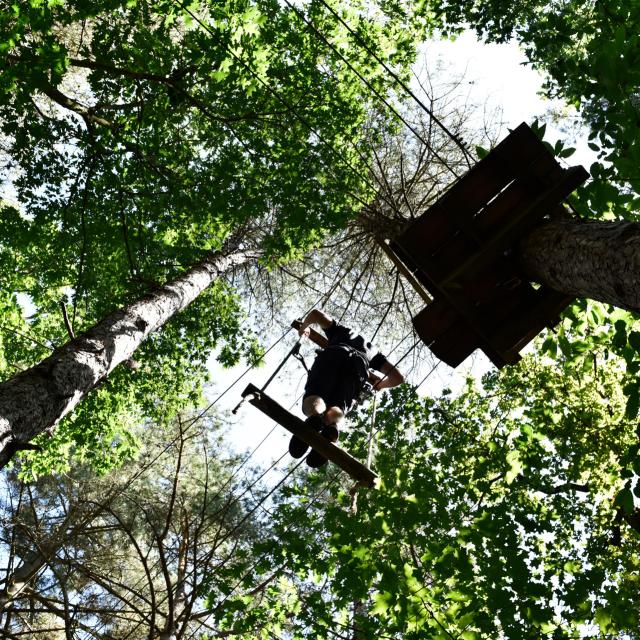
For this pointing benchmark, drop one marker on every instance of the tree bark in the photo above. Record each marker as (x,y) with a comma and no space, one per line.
(35,400)
(586,259)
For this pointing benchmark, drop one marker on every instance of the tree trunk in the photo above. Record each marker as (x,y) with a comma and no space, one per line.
(37,399)
(586,259)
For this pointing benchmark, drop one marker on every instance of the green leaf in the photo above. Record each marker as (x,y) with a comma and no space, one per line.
(515,466)
(634,340)
(603,619)
(620,336)
(381,603)
(624,499)
(633,400)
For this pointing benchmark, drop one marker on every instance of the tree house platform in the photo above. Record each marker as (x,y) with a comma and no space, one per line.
(463,250)
(338,456)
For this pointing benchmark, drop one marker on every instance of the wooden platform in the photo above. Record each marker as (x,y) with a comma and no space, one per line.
(463,250)
(338,456)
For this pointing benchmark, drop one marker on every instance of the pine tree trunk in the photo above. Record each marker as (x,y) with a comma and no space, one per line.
(37,399)
(586,259)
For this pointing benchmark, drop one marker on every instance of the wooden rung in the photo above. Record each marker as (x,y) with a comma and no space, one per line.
(314,336)
(404,270)
(338,456)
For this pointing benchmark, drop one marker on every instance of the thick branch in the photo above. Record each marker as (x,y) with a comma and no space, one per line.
(75,106)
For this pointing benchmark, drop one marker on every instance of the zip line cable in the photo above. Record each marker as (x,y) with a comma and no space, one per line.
(264,554)
(273,465)
(435,366)
(303,120)
(375,92)
(202,414)
(219,542)
(311,503)
(281,482)
(294,112)
(199,417)
(373,433)
(401,83)
(326,488)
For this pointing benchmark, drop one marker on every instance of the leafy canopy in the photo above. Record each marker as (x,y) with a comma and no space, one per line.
(496,517)
(140,135)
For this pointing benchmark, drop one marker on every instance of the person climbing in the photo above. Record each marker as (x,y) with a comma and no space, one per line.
(336,379)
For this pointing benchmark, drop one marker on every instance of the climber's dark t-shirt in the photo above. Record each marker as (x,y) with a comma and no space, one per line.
(338,334)
(340,371)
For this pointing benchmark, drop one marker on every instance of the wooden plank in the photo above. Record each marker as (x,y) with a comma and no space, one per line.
(503,163)
(521,154)
(314,336)
(412,264)
(433,228)
(542,309)
(457,256)
(453,343)
(434,320)
(521,223)
(294,424)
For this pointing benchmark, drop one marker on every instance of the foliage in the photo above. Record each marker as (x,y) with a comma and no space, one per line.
(139,136)
(128,554)
(496,517)
(588,53)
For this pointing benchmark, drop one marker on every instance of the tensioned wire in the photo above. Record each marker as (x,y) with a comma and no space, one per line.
(390,72)
(375,92)
(193,421)
(304,121)
(249,487)
(281,482)
(276,94)
(326,488)
(323,297)
(264,498)
(311,128)
(399,82)
(203,413)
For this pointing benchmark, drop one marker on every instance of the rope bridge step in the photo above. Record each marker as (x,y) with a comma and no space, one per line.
(295,425)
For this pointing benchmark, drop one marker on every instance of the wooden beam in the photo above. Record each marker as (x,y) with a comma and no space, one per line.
(404,270)
(338,456)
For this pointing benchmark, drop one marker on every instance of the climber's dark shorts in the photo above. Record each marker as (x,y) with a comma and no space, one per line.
(337,377)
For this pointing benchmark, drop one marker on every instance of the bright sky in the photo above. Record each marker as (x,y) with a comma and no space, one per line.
(495,73)
(498,77)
